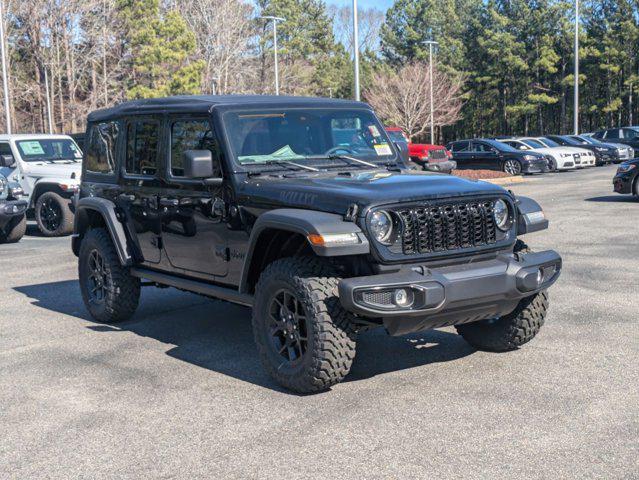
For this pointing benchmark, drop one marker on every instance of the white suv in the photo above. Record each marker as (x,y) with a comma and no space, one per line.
(47,167)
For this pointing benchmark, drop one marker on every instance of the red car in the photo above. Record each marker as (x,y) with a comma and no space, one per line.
(429,157)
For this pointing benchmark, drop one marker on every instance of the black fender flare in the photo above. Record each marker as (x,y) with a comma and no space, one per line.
(305,222)
(107,209)
(530,216)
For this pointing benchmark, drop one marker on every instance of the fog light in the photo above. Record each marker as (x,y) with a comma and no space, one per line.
(402,298)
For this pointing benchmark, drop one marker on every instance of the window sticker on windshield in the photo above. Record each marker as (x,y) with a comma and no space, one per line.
(374,131)
(32,148)
(383,149)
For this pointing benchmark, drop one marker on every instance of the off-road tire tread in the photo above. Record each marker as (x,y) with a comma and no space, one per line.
(66,224)
(333,354)
(124,295)
(510,331)
(15,230)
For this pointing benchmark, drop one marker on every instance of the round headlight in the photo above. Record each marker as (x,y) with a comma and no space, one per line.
(381,226)
(502,215)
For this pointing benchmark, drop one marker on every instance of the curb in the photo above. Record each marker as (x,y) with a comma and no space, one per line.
(505,180)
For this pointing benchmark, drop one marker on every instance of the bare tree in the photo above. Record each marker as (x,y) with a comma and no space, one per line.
(370,24)
(403,98)
(224,31)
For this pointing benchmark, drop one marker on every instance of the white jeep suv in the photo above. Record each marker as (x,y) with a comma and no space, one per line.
(47,167)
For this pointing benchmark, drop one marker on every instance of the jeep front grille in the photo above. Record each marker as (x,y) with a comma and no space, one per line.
(447,227)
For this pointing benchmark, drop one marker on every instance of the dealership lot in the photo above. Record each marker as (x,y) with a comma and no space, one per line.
(179,392)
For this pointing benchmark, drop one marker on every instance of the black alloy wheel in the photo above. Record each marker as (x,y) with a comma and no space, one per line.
(97,279)
(51,214)
(288,329)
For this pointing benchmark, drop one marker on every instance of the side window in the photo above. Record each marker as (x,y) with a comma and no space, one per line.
(191,135)
(480,147)
(614,134)
(630,134)
(101,144)
(461,147)
(5,149)
(142,147)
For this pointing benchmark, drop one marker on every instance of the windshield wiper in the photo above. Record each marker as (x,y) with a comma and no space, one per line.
(337,156)
(287,163)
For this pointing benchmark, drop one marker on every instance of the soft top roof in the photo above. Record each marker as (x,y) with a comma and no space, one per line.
(205,103)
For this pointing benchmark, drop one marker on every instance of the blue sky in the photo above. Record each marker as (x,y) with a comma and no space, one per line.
(379,4)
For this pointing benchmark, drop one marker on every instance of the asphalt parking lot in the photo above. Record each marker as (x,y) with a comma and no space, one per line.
(178,391)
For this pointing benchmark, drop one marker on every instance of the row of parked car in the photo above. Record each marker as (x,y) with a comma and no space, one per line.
(516,155)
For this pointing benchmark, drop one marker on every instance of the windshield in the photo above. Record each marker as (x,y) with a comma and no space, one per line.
(296,134)
(549,142)
(502,147)
(534,143)
(39,150)
(396,136)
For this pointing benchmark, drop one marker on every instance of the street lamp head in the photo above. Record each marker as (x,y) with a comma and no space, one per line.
(270,17)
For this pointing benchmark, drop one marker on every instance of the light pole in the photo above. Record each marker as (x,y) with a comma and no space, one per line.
(5,80)
(356,50)
(576,119)
(431,44)
(46,91)
(277,74)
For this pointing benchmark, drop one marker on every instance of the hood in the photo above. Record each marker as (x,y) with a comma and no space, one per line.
(335,193)
(52,170)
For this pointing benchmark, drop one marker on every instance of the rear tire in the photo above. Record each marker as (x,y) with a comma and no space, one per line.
(305,338)
(109,291)
(53,215)
(14,230)
(510,331)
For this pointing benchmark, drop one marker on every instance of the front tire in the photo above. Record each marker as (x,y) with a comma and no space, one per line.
(305,338)
(109,291)
(53,215)
(510,331)
(14,230)
(512,167)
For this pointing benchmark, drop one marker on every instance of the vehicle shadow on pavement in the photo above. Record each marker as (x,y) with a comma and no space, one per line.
(613,199)
(218,336)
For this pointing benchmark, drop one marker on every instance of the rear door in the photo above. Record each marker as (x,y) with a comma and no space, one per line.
(194,232)
(141,184)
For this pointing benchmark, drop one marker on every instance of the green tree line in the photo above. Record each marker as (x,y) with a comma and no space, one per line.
(517,58)
(514,57)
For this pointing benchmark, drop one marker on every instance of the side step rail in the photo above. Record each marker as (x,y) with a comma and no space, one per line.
(203,288)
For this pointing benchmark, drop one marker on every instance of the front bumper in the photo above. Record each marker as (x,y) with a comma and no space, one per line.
(450,295)
(440,166)
(535,166)
(11,209)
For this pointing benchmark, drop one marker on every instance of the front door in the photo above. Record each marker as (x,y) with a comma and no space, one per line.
(194,231)
(140,185)
(485,156)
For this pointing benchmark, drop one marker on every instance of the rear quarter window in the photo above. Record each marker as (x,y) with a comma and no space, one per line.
(101,147)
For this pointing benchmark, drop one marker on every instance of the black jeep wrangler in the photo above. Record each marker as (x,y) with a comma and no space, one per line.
(13,219)
(302,209)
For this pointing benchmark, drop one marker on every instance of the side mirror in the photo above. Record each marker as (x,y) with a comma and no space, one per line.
(198,164)
(403,152)
(7,161)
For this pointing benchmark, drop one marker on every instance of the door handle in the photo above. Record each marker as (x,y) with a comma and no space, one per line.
(169,202)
